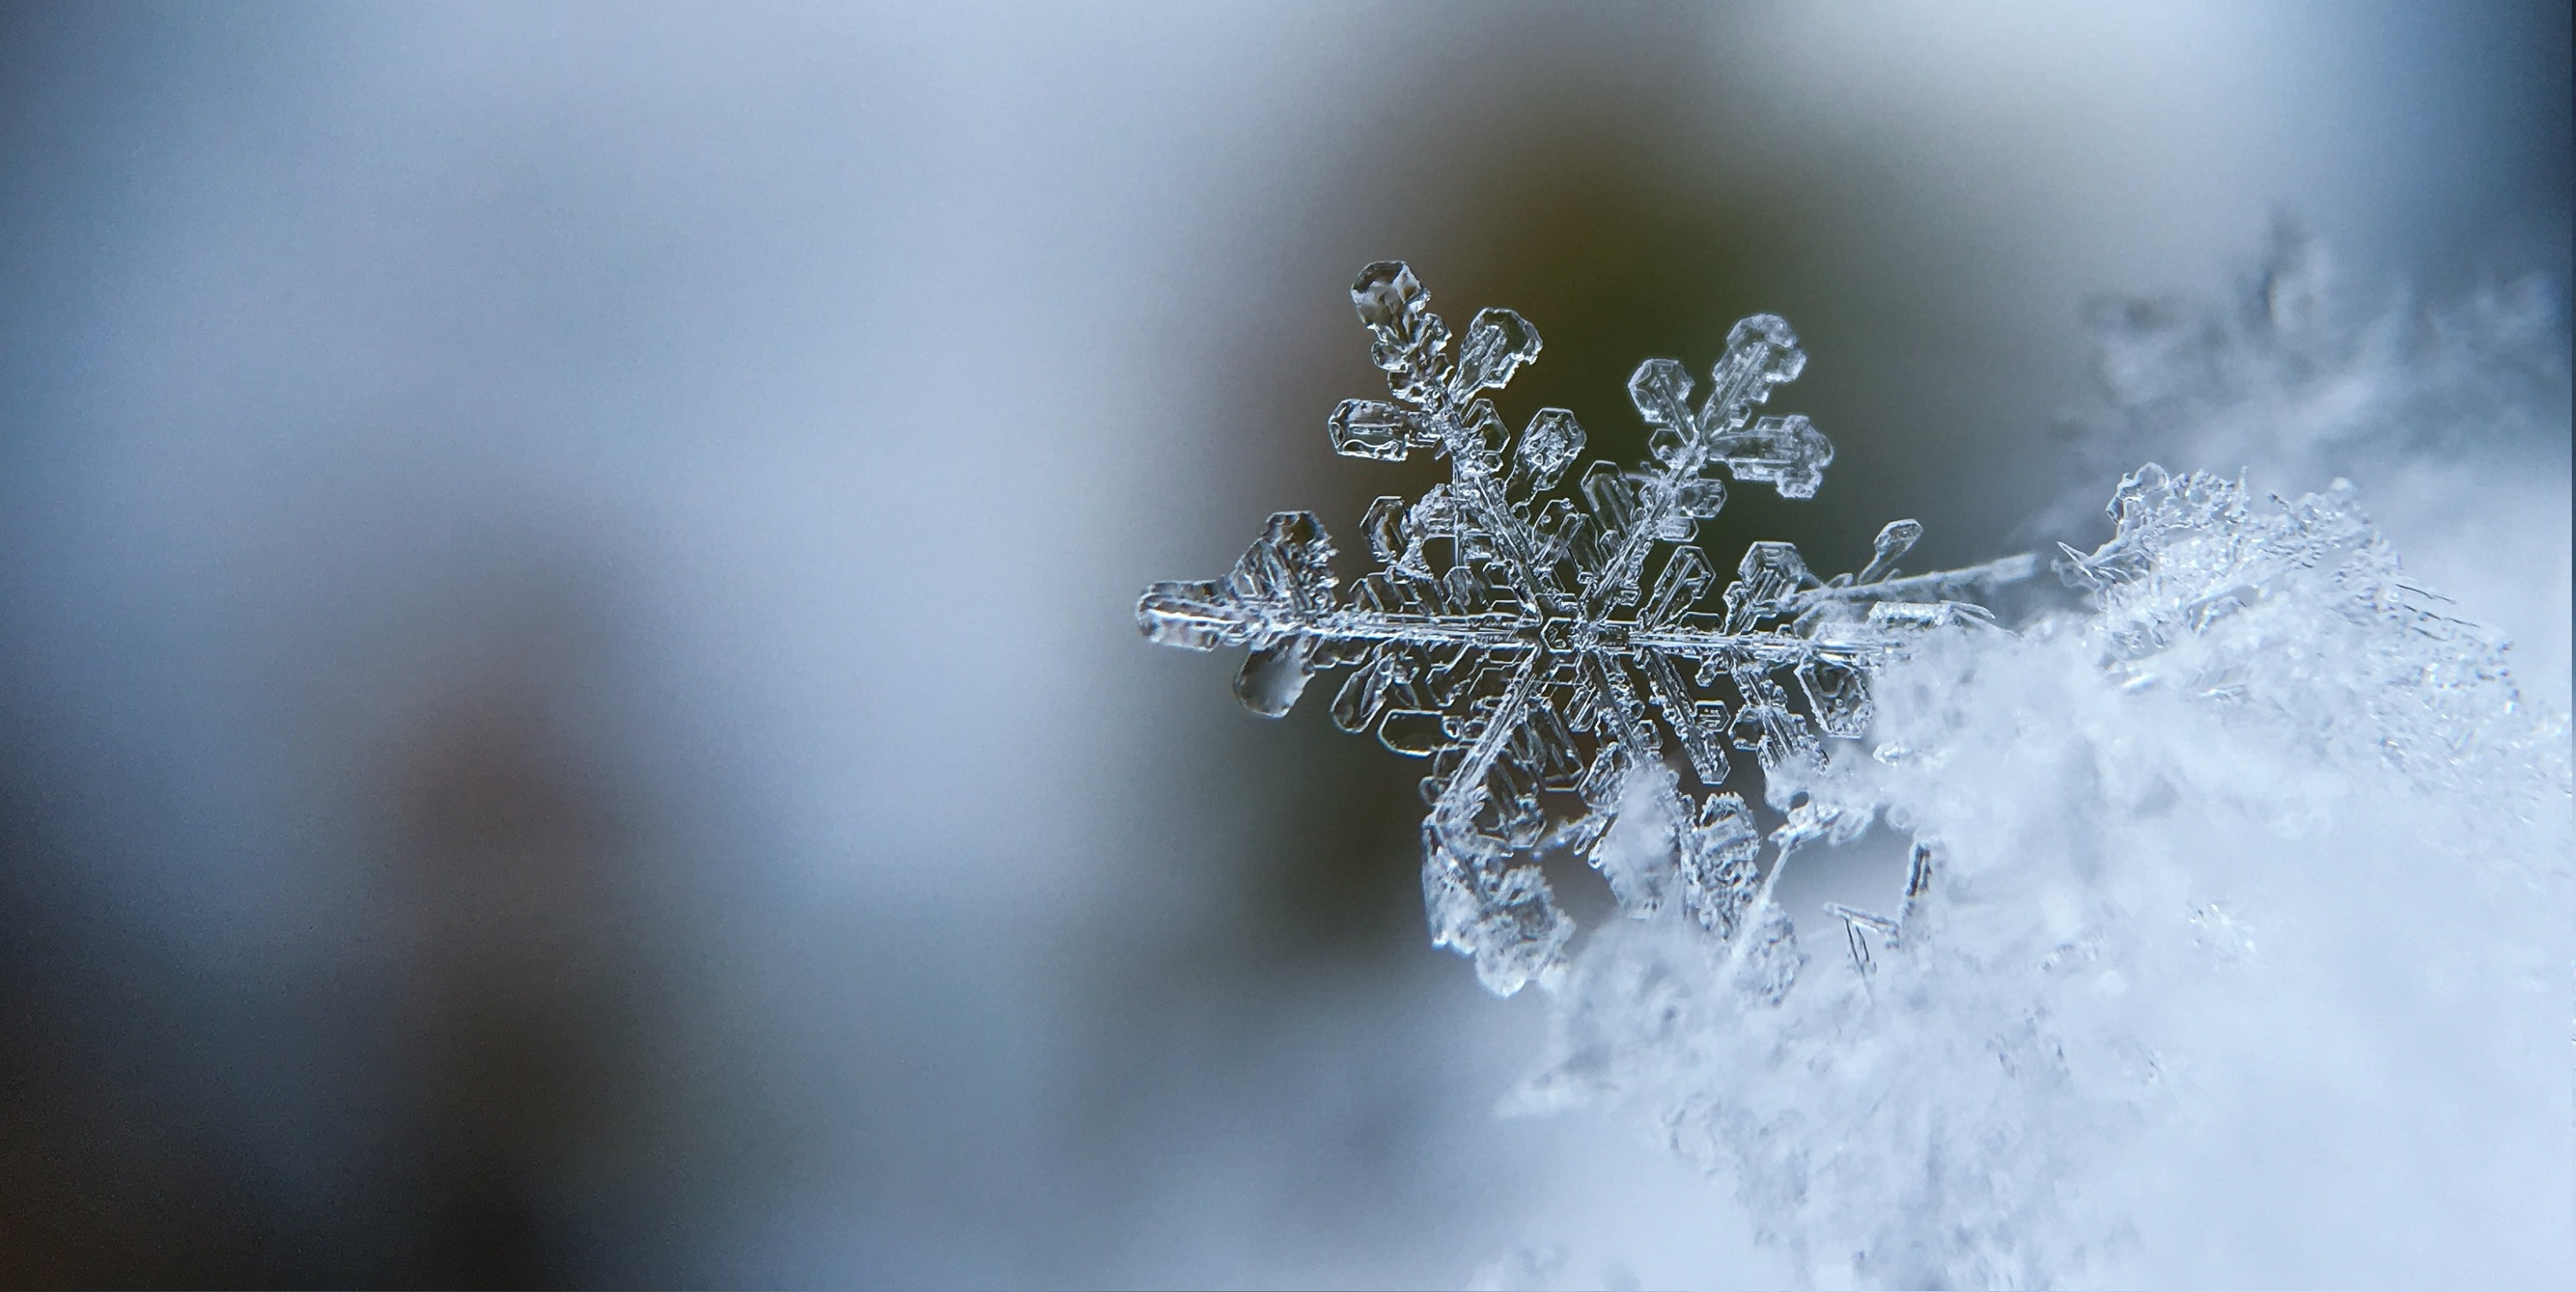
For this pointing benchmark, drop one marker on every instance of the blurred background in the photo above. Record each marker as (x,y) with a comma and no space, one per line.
(569,706)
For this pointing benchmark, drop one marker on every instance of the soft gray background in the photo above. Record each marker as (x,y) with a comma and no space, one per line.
(568,704)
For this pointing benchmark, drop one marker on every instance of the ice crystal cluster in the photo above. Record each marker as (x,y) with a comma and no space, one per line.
(2234,946)
(1542,645)
(2237,943)
(2109,909)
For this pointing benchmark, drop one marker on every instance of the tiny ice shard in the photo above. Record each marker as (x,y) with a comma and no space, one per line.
(1540,649)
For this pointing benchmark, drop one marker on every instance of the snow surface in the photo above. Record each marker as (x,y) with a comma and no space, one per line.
(2242,951)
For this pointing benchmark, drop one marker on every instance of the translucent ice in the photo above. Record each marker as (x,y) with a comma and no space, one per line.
(1543,651)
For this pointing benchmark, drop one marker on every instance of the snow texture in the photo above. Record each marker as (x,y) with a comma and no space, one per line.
(2266,799)
(2449,413)
(1510,634)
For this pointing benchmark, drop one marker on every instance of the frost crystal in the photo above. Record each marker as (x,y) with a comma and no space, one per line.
(2193,591)
(1511,633)
(2264,838)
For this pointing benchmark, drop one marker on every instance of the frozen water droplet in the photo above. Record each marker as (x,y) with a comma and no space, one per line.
(1275,675)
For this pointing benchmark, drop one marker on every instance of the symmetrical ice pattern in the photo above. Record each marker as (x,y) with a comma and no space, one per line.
(1545,647)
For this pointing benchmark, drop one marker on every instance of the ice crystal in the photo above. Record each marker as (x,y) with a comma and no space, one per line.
(2260,733)
(2393,673)
(1510,633)
(2263,847)
(2450,413)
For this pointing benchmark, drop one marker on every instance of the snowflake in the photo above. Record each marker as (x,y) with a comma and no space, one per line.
(1511,636)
